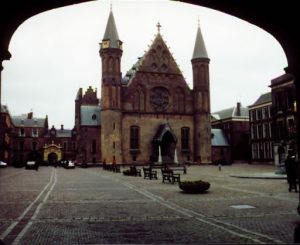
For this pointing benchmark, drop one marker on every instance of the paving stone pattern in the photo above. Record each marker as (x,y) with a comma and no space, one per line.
(93,206)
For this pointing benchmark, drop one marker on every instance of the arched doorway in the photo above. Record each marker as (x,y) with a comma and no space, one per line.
(168,145)
(52,153)
(164,142)
(52,158)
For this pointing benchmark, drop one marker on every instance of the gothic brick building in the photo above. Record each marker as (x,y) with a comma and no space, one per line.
(152,109)
(87,125)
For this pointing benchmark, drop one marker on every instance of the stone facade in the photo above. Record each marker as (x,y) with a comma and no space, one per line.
(152,110)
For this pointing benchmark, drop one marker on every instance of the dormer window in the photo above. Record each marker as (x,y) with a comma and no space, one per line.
(105,44)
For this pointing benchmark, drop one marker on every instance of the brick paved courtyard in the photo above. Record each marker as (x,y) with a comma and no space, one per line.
(93,206)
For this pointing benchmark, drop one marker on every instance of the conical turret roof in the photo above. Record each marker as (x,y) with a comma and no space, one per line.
(111,32)
(199,49)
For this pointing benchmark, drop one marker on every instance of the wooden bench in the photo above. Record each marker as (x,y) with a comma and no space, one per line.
(149,173)
(135,171)
(178,168)
(116,168)
(170,176)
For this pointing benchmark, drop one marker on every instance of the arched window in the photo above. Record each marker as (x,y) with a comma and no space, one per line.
(202,74)
(176,102)
(142,101)
(136,101)
(111,64)
(117,62)
(139,99)
(134,137)
(179,100)
(185,138)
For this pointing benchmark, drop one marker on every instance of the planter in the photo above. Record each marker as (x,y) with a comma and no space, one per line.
(198,186)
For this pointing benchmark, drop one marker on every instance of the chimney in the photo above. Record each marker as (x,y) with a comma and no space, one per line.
(62,127)
(29,115)
(238,109)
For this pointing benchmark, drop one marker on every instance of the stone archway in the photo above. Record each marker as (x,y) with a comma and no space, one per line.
(52,158)
(166,140)
(52,153)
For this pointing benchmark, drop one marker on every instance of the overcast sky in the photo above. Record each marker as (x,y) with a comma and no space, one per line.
(57,52)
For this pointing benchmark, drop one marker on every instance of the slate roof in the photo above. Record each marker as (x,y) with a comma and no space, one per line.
(25,122)
(219,138)
(111,32)
(90,115)
(199,49)
(264,98)
(4,108)
(64,133)
(230,113)
(282,79)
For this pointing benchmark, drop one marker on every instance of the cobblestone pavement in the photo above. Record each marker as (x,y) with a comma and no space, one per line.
(93,206)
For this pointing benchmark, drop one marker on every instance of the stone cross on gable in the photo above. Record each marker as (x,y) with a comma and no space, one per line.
(158,27)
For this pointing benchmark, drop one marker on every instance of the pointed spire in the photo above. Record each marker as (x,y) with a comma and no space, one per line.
(199,49)
(111,33)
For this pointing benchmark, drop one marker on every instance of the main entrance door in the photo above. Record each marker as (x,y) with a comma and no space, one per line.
(164,144)
(168,146)
(52,158)
(52,153)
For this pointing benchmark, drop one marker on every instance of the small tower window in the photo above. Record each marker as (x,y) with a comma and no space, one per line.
(134,137)
(185,137)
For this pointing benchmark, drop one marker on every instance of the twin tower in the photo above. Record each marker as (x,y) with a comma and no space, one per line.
(151,114)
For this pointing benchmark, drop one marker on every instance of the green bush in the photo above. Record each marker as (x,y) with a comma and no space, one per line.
(197,186)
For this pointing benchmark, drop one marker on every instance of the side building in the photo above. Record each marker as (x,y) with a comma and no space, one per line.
(234,122)
(59,144)
(6,135)
(88,127)
(33,141)
(221,150)
(284,109)
(261,130)
(28,141)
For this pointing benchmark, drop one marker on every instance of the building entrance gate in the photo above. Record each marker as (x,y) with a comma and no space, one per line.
(166,140)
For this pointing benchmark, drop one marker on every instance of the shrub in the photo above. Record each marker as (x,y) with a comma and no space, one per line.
(197,186)
(128,172)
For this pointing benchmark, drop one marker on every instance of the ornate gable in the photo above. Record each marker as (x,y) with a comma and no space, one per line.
(158,59)
(90,97)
